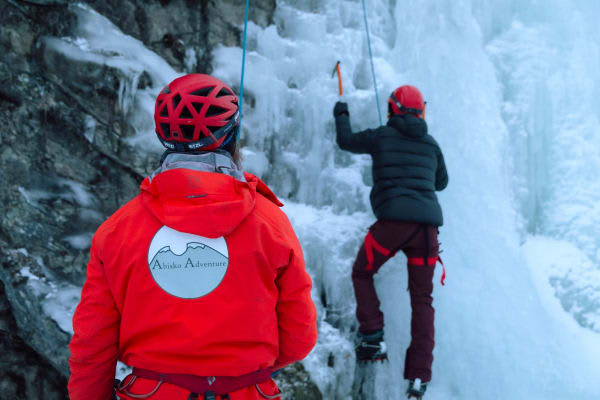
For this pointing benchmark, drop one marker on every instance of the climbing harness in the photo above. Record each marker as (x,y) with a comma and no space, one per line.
(371,58)
(427,261)
(371,244)
(209,387)
(243,67)
(431,261)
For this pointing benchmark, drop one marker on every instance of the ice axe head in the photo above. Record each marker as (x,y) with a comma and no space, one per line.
(337,70)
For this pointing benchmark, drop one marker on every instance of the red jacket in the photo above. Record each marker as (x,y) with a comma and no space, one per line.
(227,297)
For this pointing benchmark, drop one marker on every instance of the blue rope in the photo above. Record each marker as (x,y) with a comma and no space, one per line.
(372,66)
(243,67)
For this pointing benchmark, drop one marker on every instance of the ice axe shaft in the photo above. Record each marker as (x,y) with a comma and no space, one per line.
(339,74)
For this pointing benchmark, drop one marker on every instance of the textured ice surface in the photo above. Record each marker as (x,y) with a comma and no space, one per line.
(98,40)
(572,274)
(502,82)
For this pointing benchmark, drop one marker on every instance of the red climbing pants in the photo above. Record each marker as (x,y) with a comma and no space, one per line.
(419,243)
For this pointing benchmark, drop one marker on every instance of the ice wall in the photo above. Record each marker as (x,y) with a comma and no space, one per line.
(546,60)
(511,95)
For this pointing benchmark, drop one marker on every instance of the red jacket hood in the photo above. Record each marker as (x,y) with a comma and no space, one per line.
(208,204)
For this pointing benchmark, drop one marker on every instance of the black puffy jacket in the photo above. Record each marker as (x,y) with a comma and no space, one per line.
(408,167)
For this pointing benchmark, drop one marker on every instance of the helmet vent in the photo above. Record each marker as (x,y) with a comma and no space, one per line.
(197,107)
(165,129)
(215,110)
(165,111)
(176,100)
(187,131)
(185,113)
(193,111)
(204,92)
(224,92)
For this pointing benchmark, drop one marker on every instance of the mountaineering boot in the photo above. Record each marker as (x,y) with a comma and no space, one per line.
(370,347)
(416,389)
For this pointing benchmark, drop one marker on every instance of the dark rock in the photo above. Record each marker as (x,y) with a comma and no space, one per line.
(28,288)
(295,384)
(23,373)
(45,2)
(199,25)
(145,81)
(88,82)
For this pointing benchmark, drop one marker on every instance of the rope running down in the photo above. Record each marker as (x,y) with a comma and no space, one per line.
(372,66)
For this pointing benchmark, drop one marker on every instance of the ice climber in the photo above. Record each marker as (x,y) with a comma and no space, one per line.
(408,167)
(199,282)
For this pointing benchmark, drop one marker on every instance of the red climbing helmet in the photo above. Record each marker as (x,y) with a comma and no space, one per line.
(196,112)
(407,100)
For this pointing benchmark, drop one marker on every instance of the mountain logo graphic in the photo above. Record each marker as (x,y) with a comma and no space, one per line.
(185,265)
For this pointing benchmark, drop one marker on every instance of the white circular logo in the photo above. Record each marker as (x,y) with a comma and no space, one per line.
(185,265)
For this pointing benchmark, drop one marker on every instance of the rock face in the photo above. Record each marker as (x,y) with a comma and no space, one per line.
(23,373)
(168,27)
(294,382)
(68,158)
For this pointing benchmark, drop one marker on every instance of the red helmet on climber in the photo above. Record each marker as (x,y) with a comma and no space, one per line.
(407,99)
(196,112)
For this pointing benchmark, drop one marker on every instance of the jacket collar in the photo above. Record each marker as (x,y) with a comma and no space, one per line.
(214,161)
(408,125)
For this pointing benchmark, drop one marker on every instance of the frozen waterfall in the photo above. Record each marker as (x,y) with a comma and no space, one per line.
(512,99)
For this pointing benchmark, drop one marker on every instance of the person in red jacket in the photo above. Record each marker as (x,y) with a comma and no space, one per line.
(199,282)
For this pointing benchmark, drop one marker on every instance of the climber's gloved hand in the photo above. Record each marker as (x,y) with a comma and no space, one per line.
(340,108)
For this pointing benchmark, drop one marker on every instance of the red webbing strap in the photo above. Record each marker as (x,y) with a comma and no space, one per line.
(431,261)
(371,243)
(221,385)
(443,278)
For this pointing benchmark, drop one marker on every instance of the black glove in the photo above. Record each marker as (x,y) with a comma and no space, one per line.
(340,108)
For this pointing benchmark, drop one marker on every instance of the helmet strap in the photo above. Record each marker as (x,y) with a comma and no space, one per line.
(231,135)
(230,143)
(183,147)
(405,109)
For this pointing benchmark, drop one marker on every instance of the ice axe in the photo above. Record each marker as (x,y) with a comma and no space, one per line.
(339,74)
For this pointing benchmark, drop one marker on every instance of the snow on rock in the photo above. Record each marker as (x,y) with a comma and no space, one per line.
(60,303)
(42,305)
(100,37)
(96,56)
(65,189)
(82,241)
(96,34)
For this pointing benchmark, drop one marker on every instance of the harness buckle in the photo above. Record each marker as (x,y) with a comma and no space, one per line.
(125,389)
(210,395)
(266,396)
